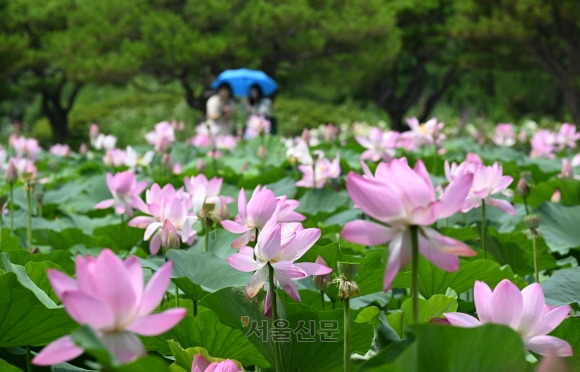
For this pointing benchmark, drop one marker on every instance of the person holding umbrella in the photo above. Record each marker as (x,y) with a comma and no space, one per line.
(220,108)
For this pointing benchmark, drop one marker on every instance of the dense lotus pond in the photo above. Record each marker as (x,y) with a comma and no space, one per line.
(387,251)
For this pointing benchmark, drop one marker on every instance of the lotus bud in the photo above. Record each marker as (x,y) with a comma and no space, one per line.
(200,165)
(94,132)
(170,237)
(566,172)
(83,150)
(522,188)
(11,173)
(347,288)
(556,196)
(166,161)
(306,135)
(262,153)
(321,281)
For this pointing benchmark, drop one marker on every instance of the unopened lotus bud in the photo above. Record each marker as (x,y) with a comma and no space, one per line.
(94,131)
(321,281)
(347,288)
(170,238)
(556,196)
(166,161)
(245,167)
(566,172)
(532,221)
(523,189)
(262,153)
(83,150)
(200,165)
(11,172)
(306,135)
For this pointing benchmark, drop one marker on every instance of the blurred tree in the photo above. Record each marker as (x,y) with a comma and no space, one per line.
(525,35)
(190,41)
(69,43)
(423,69)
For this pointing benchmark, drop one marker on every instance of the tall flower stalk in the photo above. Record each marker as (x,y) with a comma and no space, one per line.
(483,229)
(29,189)
(533,222)
(273,300)
(347,289)
(415,272)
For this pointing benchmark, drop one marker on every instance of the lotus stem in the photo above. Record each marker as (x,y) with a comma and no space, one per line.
(483,230)
(415,273)
(121,228)
(347,334)
(29,187)
(176,296)
(11,206)
(274,314)
(535,258)
(526,205)
(322,300)
(28,364)
(206,236)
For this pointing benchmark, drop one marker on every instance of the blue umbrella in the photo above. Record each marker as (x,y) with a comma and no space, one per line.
(242,79)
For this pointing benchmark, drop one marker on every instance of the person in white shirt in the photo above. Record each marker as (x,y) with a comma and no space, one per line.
(220,108)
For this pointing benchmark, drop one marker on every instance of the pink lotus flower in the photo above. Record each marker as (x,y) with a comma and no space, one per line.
(543,144)
(286,212)
(104,142)
(60,150)
(330,133)
(298,151)
(422,134)
(257,125)
(135,161)
(252,215)
(23,165)
(172,223)
(379,144)
(316,176)
(470,165)
(228,143)
(108,295)
(114,158)
(162,137)
(576,160)
(25,147)
(125,190)
(488,181)
(279,247)
(200,364)
(567,136)
(526,312)
(505,135)
(402,197)
(207,193)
